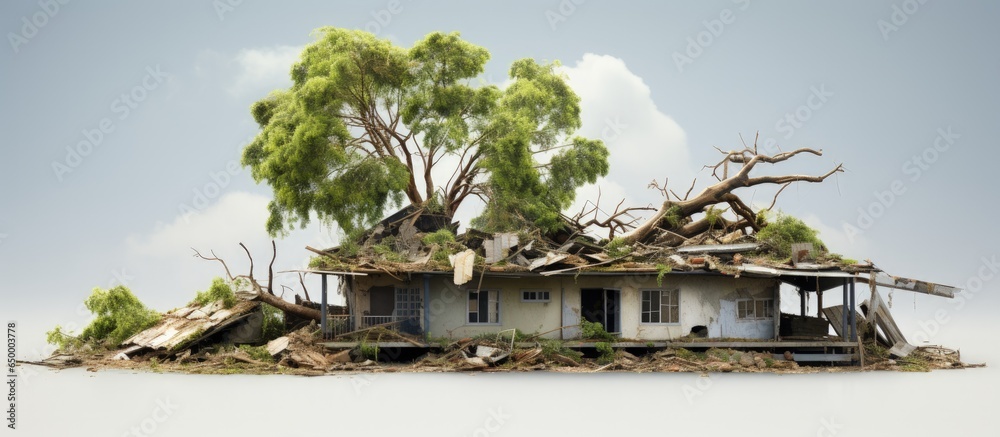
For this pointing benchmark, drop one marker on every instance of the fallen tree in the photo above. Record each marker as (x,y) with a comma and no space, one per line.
(260,293)
(675,220)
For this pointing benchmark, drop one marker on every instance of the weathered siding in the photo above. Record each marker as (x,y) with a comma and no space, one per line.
(708,301)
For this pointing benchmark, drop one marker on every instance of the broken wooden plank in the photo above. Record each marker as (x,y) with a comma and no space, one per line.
(883,319)
(276,346)
(835,313)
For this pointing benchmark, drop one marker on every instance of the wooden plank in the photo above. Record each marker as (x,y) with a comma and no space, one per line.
(835,313)
(884,320)
(815,358)
(917,286)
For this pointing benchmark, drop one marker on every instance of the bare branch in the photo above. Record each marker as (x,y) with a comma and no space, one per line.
(251,264)
(304,289)
(215,258)
(270,267)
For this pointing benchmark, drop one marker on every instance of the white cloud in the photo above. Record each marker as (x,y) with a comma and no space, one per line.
(237,216)
(263,69)
(645,144)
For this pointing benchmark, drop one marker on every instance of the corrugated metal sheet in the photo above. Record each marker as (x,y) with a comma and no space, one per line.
(187,323)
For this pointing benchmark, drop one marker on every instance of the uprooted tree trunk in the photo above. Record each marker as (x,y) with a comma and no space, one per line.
(260,293)
(672,223)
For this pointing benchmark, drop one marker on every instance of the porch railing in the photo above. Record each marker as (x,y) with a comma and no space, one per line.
(342,324)
(407,324)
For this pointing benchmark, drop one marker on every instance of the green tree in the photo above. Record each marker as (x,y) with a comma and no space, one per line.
(365,122)
(119,315)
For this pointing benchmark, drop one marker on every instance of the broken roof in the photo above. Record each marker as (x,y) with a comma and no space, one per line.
(188,324)
(396,246)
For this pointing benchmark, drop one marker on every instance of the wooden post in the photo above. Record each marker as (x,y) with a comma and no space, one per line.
(819,303)
(854,317)
(843,322)
(802,302)
(322,310)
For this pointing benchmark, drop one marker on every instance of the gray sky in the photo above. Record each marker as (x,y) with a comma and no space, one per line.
(874,84)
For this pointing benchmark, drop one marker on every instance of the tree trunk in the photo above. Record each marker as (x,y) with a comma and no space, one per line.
(288,307)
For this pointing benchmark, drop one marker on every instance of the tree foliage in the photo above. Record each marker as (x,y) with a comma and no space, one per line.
(785,230)
(220,290)
(365,123)
(119,315)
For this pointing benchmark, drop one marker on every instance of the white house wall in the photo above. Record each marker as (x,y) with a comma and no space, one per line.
(708,301)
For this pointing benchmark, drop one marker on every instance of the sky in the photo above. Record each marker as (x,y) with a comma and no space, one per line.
(124,123)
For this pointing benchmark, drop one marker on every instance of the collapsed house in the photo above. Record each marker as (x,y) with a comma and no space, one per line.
(718,290)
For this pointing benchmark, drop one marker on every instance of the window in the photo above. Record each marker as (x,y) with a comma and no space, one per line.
(755,309)
(534,295)
(661,306)
(408,302)
(484,306)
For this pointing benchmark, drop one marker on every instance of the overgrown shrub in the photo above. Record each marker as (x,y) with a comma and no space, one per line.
(274,322)
(661,271)
(440,237)
(594,331)
(369,350)
(786,230)
(607,354)
(119,315)
(220,290)
(443,243)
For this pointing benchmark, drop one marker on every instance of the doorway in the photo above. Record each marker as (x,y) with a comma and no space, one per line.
(602,305)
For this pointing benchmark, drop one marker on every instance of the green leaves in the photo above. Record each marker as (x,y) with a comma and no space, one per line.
(119,315)
(786,230)
(365,120)
(219,290)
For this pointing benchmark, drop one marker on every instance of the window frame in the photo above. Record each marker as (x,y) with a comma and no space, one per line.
(411,297)
(468,310)
(538,293)
(768,309)
(675,293)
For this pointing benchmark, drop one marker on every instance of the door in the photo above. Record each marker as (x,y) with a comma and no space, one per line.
(602,305)
(409,302)
(381,301)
